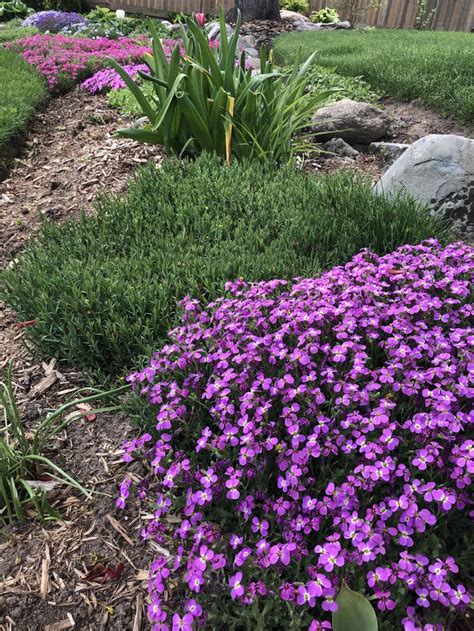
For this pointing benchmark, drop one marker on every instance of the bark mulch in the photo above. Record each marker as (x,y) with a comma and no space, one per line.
(68,158)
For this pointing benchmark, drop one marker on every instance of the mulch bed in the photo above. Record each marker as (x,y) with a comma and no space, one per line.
(69,157)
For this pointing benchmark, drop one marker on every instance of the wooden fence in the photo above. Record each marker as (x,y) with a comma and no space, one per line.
(450,15)
(162,8)
(447,15)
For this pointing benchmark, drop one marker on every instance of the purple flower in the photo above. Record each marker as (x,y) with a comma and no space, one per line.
(237,589)
(316,429)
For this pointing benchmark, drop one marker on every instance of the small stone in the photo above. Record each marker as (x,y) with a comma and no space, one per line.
(341,148)
(293,16)
(251,52)
(248,40)
(388,151)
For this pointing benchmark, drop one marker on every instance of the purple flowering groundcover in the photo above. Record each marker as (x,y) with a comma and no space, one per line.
(309,433)
(54,21)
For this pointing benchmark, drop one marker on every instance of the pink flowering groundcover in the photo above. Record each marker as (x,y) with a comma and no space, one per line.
(65,61)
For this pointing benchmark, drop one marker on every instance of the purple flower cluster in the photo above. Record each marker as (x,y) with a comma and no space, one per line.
(109,79)
(311,432)
(54,21)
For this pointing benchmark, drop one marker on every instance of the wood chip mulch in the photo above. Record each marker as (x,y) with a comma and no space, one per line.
(46,573)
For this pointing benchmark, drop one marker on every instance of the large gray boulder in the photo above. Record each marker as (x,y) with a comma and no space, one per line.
(437,170)
(352,121)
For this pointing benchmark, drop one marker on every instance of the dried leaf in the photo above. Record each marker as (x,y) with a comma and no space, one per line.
(103,574)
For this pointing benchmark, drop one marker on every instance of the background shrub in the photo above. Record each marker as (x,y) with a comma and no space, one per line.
(103,290)
(79,6)
(434,67)
(300,6)
(22,89)
(325,16)
(12,9)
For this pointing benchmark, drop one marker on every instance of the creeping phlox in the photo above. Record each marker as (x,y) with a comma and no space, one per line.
(109,78)
(64,61)
(310,432)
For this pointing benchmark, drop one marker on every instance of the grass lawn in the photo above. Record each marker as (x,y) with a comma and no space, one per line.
(104,290)
(435,67)
(21,88)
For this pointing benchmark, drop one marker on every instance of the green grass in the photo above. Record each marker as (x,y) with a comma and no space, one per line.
(104,290)
(22,89)
(434,67)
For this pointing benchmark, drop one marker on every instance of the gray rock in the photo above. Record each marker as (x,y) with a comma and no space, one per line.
(306,26)
(251,52)
(293,16)
(214,30)
(248,41)
(329,26)
(340,148)
(352,121)
(388,151)
(438,170)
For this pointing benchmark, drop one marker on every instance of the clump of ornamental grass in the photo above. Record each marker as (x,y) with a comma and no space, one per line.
(313,435)
(211,99)
(104,291)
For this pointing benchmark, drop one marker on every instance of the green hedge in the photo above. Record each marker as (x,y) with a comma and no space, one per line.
(104,290)
(21,90)
(432,66)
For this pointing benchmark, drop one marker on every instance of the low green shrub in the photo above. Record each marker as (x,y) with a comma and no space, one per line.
(300,6)
(104,290)
(325,16)
(430,66)
(354,88)
(22,89)
(12,9)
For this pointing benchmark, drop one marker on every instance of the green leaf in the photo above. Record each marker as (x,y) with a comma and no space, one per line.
(140,135)
(354,612)
(137,93)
